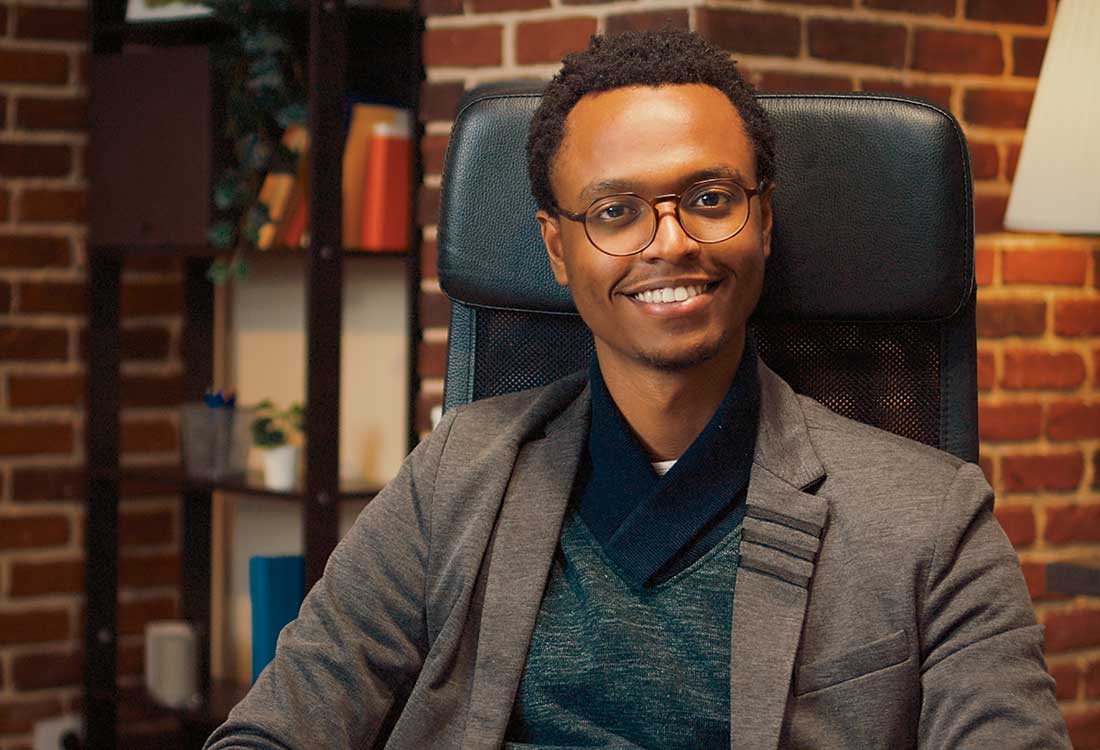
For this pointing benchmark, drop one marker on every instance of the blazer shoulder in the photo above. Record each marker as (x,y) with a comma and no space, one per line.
(521,414)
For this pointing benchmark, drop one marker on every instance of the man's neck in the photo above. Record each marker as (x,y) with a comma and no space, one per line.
(667,409)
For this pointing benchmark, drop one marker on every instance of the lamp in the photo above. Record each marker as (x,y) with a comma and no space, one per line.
(1057,185)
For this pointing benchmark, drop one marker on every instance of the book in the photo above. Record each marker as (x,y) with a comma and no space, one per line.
(363,119)
(387,187)
(276,586)
(278,185)
(292,231)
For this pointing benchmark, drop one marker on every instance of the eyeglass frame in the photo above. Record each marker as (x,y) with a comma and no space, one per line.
(676,197)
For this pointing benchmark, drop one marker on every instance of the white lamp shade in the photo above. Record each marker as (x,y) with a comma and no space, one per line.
(1057,185)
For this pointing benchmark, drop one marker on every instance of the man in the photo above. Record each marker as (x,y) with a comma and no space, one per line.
(672,550)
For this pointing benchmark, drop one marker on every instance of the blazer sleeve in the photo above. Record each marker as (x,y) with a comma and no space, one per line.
(360,639)
(984,680)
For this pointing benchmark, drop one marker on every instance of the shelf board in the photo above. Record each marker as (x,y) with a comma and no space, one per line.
(205,251)
(224,695)
(252,484)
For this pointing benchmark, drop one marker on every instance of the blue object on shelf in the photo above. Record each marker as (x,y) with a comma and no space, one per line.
(277,586)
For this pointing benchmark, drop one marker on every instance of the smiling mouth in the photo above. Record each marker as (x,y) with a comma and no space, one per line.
(665,295)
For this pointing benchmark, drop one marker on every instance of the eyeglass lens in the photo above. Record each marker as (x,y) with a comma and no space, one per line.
(625,224)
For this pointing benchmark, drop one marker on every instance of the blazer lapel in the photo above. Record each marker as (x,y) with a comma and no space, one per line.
(517,565)
(780,540)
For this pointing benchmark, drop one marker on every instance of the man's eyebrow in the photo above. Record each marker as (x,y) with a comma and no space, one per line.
(594,190)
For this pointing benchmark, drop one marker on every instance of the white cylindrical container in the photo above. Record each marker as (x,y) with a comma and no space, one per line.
(171,662)
(281,467)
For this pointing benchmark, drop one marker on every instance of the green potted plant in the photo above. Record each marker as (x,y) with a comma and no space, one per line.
(278,435)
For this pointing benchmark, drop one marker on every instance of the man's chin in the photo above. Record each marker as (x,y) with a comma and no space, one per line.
(685,359)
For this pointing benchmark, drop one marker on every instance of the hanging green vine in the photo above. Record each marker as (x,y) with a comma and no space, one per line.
(262,73)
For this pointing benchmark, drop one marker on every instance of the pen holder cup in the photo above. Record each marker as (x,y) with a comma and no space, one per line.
(214,441)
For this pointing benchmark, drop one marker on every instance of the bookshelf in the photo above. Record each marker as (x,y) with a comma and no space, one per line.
(351,50)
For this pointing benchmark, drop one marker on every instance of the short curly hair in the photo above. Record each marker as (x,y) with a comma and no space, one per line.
(639,58)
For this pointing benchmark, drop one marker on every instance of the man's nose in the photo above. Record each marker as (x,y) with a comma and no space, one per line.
(670,242)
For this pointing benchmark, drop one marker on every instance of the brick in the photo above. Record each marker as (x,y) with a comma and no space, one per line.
(145,570)
(134,615)
(33,343)
(47,670)
(145,343)
(1011,317)
(29,438)
(31,532)
(131,659)
(432,359)
(1033,12)
(5,297)
(1055,472)
(133,488)
(53,113)
(1035,368)
(998,108)
(51,577)
(432,8)
(429,255)
(432,150)
(35,626)
(1073,629)
(35,160)
(750,33)
(1027,55)
(1077,317)
(148,436)
(152,298)
(435,310)
(1035,576)
(1092,680)
(47,483)
(858,42)
(54,205)
(439,100)
(5,203)
(42,389)
(1073,523)
(939,95)
(983,266)
(782,81)
(27,66)
(985,463)
(493,6)
(549,41)
(31,251)
(987,371)
(1066,679)
(18,716)
(152,390)
(1046,266)
(1084,729)
(1018,521)
(1013,421)
(985,162)
(939,51)
(1012,159)
(63,24)
(146,528)
(924,7)
(469,46)
(989,212)
(427,206)
(1073,420)
(61,297)
(647,21)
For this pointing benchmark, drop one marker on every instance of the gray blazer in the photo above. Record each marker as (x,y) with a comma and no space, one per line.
(878,604)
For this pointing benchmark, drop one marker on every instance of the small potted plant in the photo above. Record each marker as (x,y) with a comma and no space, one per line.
(277,433)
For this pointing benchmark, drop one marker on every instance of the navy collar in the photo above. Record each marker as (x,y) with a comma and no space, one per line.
(643,521)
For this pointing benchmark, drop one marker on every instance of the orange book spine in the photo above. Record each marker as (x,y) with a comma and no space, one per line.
(387,190)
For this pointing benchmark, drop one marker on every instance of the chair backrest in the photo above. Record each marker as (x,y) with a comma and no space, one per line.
(869,294)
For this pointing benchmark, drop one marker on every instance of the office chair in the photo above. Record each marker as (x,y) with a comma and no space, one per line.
(869,294)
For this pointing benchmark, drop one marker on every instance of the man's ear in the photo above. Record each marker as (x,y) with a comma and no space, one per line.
(766,218)
(550,228)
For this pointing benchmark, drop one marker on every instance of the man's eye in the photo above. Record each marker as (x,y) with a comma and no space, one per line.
(616,213)
(712,199)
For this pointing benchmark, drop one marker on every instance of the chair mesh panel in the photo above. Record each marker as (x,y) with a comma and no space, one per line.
(883,374)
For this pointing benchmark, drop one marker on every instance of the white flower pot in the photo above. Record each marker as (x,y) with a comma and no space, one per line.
(281,467)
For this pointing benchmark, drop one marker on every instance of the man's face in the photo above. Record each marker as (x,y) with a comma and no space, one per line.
(656,141)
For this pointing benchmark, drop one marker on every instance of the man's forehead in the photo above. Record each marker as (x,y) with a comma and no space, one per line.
(615,140)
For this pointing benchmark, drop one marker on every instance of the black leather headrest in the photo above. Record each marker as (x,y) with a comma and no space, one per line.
(878,185)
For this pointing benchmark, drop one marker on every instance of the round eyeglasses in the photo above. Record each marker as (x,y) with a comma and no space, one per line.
(625,223)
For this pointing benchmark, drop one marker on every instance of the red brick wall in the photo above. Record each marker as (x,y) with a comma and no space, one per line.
(1039,305)
(43,104)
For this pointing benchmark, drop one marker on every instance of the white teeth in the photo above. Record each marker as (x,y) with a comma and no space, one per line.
(671,294)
